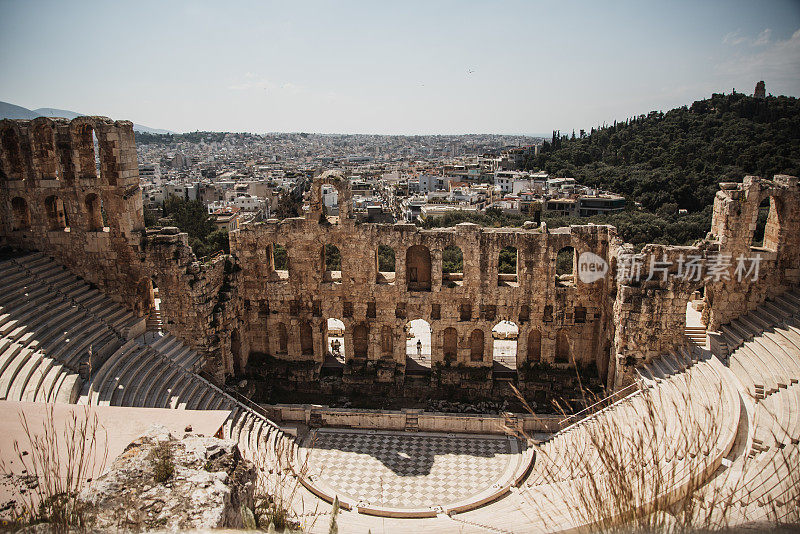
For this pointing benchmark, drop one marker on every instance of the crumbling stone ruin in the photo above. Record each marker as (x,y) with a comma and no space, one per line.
(761,90)
(83,206)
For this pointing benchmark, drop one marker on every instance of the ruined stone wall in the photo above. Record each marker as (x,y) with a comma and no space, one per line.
(198,300)
(733,225)
(53,198)
(382,304)
(650,316)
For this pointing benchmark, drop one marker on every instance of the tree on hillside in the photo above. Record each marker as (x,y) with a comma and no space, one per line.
(680,156)
(192,217)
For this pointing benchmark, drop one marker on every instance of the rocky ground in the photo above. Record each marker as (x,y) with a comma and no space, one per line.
(165,482)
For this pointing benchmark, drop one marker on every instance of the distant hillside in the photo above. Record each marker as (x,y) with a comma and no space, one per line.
(52,112)
(11,111)
(676,159)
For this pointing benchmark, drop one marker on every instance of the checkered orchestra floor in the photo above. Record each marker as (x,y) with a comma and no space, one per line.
(403,470)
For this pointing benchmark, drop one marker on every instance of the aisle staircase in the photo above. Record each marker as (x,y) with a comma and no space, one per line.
(696,335)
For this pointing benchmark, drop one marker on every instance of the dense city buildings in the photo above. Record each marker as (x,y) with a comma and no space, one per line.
(393,178)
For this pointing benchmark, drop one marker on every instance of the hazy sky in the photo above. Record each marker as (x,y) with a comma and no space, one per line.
(390,67)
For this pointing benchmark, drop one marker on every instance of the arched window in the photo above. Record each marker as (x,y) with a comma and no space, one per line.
(12,160)
(476,345)
(507,267)
(283,339)
(306,339)
(565,267)
(563,349)
(418,268)
(94,212)
(385,259)
(360,341)
(56,215)
(450,344)
(387,341)
(277,261)
(21,214)
(44,151)
(534,346)
(452,266)
(332,263)
(768,225)
(88,152)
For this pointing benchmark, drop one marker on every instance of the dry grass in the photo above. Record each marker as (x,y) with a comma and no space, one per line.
(652,463)
(57,465)
(279,502)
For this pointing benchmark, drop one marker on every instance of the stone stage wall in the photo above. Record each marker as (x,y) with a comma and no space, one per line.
(84,207)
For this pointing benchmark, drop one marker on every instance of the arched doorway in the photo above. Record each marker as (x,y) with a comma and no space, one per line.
(334,343)
(504,346)
(418,343)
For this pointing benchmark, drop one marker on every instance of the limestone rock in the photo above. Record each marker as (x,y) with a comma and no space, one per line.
(210,486)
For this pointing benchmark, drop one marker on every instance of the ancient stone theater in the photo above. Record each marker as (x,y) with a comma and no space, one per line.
(716,396)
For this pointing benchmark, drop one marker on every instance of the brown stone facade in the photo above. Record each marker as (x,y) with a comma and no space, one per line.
(53,198)
(56,199)
(289,309)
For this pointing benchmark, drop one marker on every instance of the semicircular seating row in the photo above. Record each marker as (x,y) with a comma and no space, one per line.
(50,320)
(762,482)
(686,431)
(689,409)
(674,431)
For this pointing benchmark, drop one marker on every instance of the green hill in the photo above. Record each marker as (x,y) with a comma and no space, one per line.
(675,159)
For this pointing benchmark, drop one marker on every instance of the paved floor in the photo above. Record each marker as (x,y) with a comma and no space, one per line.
(693,317)
(407,470)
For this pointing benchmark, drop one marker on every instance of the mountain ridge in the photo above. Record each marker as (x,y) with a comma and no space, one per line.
(13,111)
